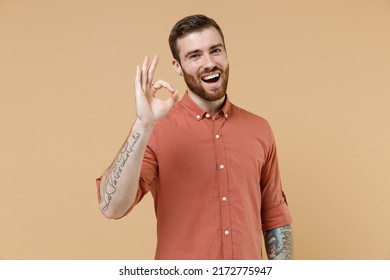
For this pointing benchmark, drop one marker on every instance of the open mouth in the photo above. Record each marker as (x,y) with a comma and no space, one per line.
(212,78)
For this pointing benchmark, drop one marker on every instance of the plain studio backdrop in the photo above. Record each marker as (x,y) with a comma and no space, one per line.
(318,71)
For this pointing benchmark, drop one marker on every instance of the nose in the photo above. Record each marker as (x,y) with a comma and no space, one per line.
(208,63)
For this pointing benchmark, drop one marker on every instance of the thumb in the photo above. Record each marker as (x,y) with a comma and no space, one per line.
(173,98)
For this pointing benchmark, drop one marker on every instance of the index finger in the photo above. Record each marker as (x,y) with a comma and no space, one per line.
(162,84)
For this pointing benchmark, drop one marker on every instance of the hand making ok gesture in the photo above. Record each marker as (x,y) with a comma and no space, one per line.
(149,108)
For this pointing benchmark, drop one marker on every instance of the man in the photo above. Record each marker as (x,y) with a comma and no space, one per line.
(210,166)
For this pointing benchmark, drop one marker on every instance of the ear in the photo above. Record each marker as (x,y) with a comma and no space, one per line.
(177,67)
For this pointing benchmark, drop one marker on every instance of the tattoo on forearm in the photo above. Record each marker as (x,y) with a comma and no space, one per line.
(279,243)
(111,180)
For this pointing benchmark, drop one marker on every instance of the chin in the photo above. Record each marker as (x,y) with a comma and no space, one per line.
(214,97)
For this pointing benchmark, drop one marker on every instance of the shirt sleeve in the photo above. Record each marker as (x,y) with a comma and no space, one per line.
(274,209)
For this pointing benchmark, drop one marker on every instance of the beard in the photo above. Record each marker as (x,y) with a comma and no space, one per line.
(195,85)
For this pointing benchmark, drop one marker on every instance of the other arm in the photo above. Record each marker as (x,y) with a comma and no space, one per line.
(279,243)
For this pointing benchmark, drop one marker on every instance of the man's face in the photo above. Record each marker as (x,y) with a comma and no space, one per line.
(204,63)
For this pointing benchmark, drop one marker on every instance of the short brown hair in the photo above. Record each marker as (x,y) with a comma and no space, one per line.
(188,25)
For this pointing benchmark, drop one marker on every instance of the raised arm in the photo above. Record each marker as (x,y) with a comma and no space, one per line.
(279,243)
(120,181)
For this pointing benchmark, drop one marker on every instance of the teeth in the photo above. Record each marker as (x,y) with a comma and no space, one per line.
(211,77)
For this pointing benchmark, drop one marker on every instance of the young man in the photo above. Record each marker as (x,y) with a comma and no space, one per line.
(210,166)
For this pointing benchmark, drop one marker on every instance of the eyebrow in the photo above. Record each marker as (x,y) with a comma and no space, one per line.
(197,50)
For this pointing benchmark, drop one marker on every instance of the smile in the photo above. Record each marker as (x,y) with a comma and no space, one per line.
(211,78)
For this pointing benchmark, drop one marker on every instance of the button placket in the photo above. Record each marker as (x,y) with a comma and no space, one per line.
(222,168)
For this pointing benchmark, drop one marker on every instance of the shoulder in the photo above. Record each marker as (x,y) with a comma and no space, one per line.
(252,125)
(250,117)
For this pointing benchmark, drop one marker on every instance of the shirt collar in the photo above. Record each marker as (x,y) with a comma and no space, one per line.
(198,113)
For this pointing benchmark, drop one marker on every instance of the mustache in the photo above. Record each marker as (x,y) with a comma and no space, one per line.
(208,70)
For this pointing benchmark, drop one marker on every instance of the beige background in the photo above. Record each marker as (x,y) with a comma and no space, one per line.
(317,70)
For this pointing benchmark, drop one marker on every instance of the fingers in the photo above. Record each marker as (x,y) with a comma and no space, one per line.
(152,68)
(144,73)
(147,71)
(174,96)
(162,84)
(137,81)
(144,77)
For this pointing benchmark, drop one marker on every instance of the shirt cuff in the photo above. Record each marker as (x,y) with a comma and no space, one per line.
(276,217)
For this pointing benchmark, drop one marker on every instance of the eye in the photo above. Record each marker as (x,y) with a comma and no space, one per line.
(194,56)
(218,50)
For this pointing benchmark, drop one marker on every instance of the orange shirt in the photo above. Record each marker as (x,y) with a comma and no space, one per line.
(215,183)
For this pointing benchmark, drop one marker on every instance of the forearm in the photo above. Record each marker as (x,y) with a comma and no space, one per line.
(279,243)
(120,181)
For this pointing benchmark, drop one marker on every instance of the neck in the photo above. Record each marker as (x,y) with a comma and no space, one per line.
(211,107)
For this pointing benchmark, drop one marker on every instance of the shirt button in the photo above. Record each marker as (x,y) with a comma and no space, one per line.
(207,115)
(217,136)
(226,232)
(224,198)
(221,166)
(198,117)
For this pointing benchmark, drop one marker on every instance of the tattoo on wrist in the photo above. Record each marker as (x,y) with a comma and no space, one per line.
(279,244)
(111,180)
